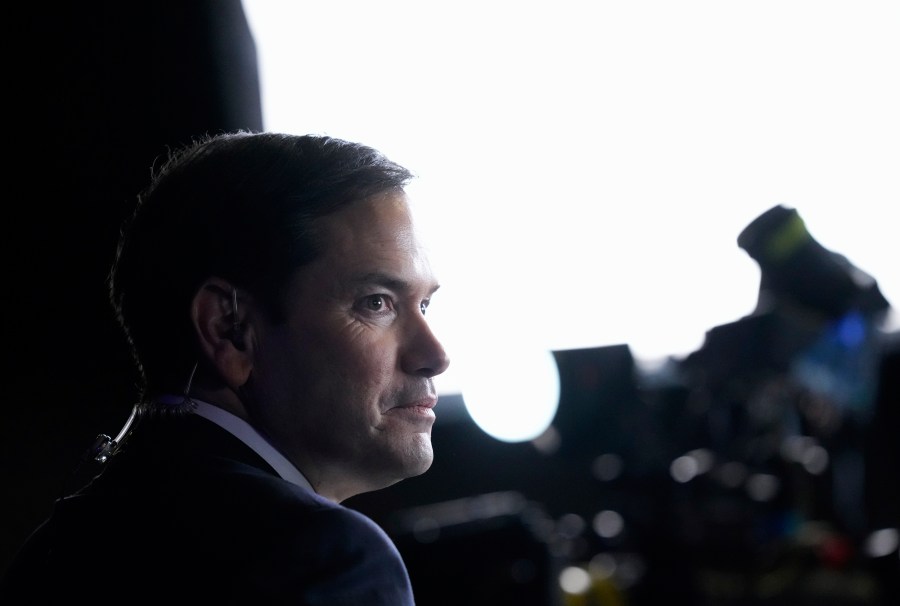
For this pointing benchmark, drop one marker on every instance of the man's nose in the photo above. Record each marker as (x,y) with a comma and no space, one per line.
(425,355)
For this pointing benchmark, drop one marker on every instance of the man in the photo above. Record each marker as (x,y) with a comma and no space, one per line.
(274,294)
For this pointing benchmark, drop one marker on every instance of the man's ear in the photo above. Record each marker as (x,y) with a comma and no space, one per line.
(220,322)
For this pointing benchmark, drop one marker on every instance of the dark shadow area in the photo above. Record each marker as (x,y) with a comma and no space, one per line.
(99,91)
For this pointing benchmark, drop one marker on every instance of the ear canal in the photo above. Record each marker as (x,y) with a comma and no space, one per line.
(237,338)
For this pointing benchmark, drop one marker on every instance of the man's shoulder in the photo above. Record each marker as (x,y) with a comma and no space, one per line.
(197,509)
(182,469)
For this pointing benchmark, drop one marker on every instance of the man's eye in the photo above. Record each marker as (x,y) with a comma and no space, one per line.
(423,306)
(375,302)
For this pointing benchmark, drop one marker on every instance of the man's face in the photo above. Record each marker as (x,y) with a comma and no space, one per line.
(344,387)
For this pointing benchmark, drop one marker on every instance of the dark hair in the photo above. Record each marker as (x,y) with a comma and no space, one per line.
(240,206)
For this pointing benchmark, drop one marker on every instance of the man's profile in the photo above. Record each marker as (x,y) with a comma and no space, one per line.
(274,293)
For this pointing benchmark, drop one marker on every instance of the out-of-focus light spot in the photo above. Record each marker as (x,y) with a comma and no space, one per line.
(851,331)
(574,580)
(686,467)
(835,552)
(608,524)
(511,410)
(542,526)
(570,525)
(426,529)
(762,486)
(607,467)
(793,448)
(548,442)
(811,534)
(630,570)
(731,474)
(602,566)
(683,469)
(882,542)
(806,451)
(704,458)
(815,460)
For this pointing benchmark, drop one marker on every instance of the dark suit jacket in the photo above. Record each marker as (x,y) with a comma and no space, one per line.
(186,513)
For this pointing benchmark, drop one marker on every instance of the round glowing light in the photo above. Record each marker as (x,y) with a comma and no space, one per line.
(607,467)
(574,580)
(882,542)
(608,524)
(686,467)
(762,486)
(815,460)
(512,397)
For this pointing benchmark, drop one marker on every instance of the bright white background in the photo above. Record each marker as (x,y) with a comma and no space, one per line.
(585,167)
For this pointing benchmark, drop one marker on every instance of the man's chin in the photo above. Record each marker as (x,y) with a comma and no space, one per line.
(420,456)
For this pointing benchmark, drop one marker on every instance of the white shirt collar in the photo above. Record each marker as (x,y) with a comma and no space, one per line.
(244,432)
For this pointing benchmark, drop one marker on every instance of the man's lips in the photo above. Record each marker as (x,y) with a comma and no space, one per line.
(419,407)
(426,402)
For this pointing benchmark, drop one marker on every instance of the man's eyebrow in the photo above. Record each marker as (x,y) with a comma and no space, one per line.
(390,282)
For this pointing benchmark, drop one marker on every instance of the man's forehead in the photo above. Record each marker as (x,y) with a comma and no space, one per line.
(350,263)
(384,218)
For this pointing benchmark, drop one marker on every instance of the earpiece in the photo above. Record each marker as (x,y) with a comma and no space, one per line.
(237,334)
